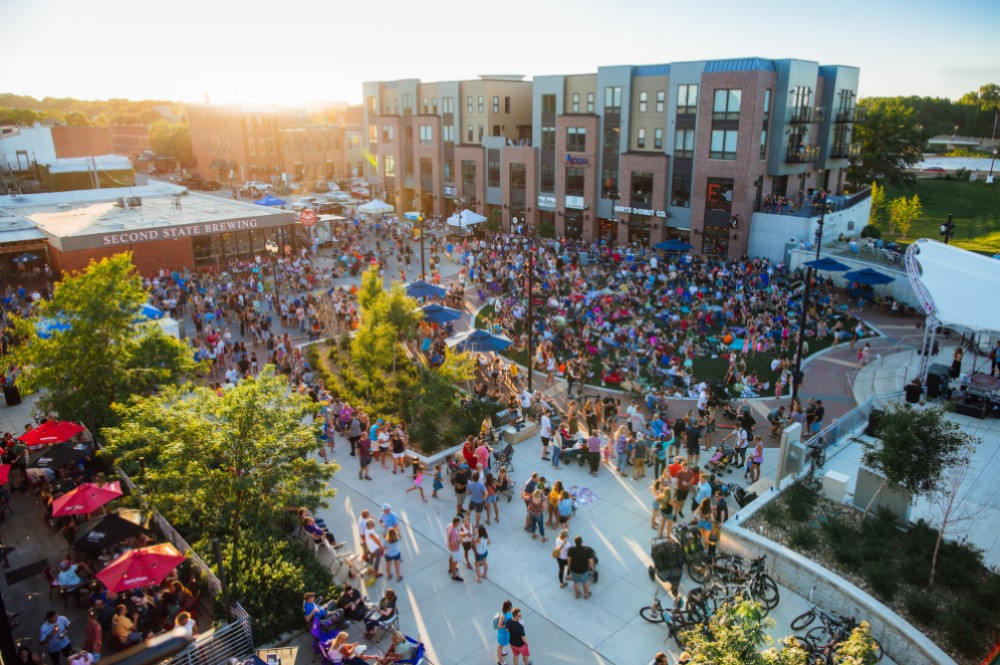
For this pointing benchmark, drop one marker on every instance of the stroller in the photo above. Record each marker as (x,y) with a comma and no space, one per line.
(722,460)
(668,563)
(743,498)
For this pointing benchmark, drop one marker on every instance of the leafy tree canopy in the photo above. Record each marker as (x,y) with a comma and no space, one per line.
(891,142)
(216,465)
(171,140)
(107,354)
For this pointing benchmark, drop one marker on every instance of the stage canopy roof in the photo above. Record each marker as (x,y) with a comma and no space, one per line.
(956,286)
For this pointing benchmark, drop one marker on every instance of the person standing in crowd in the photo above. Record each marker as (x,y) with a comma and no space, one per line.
(518,638)
(453,540)
(546,433)
(54,636)
(480,551)
(503,635)
(756,459)
(561,554)
(594,451)
(581,565)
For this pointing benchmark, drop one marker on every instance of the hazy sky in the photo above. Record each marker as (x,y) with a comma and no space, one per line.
(295,51)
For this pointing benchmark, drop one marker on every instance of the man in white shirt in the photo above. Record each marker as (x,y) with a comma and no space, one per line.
(546,432)
(702,401)
(363,530)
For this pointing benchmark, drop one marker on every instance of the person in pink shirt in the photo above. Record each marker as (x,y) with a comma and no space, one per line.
(483,455)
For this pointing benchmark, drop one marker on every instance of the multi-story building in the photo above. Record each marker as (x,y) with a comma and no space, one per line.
(426,139)
(72,142)
(630,154)
(229,144)
(313,152)
(130,140)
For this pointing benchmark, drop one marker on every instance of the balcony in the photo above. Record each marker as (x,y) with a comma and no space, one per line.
(851,115)
(802,155)
(845,151)
(800,115)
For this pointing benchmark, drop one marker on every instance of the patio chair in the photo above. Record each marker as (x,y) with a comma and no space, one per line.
(54,584)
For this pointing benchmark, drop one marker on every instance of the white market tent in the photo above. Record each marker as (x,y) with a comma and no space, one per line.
(376,207)
(466,218)
(956,288)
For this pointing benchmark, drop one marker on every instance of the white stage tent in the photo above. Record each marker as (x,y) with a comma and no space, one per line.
(466,218)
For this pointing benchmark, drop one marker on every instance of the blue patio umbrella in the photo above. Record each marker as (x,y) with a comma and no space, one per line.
(47,327)
(421,289)
(270,201)
(868,276)
(826,263)
(27,257)
(150,312)
(474,341)
(673,245)
(440,315)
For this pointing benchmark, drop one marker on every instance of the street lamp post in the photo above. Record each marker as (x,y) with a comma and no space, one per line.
(272,249)
(530,260)
(989,179)
(422,269)
(803,319)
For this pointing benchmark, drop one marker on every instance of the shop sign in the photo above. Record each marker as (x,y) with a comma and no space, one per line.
(449,191)
(576,161)
(575,202)
(546,202)
(641,211)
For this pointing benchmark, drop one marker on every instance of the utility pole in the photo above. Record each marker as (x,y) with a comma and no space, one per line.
(803,319)
(530,260)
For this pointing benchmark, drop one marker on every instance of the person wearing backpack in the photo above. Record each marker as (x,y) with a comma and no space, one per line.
(500,620)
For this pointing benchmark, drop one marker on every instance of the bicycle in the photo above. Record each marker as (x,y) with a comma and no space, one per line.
(679,619)
(821,641)
(728,569)
(816,455)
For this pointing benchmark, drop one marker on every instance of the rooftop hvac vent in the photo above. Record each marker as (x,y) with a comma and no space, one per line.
(127,202)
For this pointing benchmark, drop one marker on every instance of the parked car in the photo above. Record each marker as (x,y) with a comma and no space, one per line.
(934,169)
(339,197)
(327,208)
(305,202)
(321,188)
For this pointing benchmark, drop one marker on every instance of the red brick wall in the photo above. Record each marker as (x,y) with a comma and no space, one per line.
(519,155)
(590,172)
(81,141)
(659,165)
(148,257)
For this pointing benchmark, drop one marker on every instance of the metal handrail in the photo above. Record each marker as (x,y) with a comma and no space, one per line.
(893,260)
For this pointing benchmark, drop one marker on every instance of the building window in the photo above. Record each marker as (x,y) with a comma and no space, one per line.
(680,191)
(468,104)
(449,175)
(590,102)
(727,104)
(640,138)
(506,104)
(426,134)
(719,194)
(611,135)
(387,133)
(642,101)
(389,164)
(609,183)
(658,138)
(613,99)
(767,104)
(468,173)
(479,105)
(723,144)
(426,106)
(493,173)
(548,138)
(548,103)
(687,99)
(470,134)
(386,107)
(447,105)
(480,133)
(448,133)
(576,102)
(574,182)
(576,139)
(373,104)
(426,172)
(518,177)
(409,167)
(395,106)
(496,130)
(496,104)
(763,144)
(642,189)
(548,183)
(684,143)
(253,151)
(372,134)
(661,98)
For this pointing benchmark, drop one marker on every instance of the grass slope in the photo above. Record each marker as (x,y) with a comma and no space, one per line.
(974,205)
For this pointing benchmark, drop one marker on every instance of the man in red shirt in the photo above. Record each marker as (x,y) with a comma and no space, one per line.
(674,469)
(454,542)
(684,479)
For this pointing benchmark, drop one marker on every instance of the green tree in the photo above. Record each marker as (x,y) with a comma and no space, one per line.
(987,100)
(857,649)
(107,354)
(914,449)
(903,212)
(77,119)
(170,139)
(878,210)
(736,635)
(371,290)
(216,465)
(18,117)
(890,140)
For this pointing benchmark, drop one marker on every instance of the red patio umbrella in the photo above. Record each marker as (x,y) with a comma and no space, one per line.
(141,567)
(4,473)
(85,499)
(51,431)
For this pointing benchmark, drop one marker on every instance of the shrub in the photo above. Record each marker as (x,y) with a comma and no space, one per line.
(959,566)
(800,501)
(268,577)
(871,231)
(883,576)
(843,541)
(922,606)
(773,514)
(803,537)
(962,635)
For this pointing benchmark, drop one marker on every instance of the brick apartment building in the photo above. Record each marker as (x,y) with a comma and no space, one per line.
(631,153)
(81,141)
(232,144)
(130,140)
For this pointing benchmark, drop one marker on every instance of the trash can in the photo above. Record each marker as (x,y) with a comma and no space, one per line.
(12,395)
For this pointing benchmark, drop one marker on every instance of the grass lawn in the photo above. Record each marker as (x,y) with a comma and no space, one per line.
(975,207)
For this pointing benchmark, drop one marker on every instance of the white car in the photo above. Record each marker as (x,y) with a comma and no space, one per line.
(338,197)
(305,202)
(334,187)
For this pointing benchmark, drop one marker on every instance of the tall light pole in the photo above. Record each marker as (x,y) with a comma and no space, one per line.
(530,261)
(422,270)
(796,375)
(272,249)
